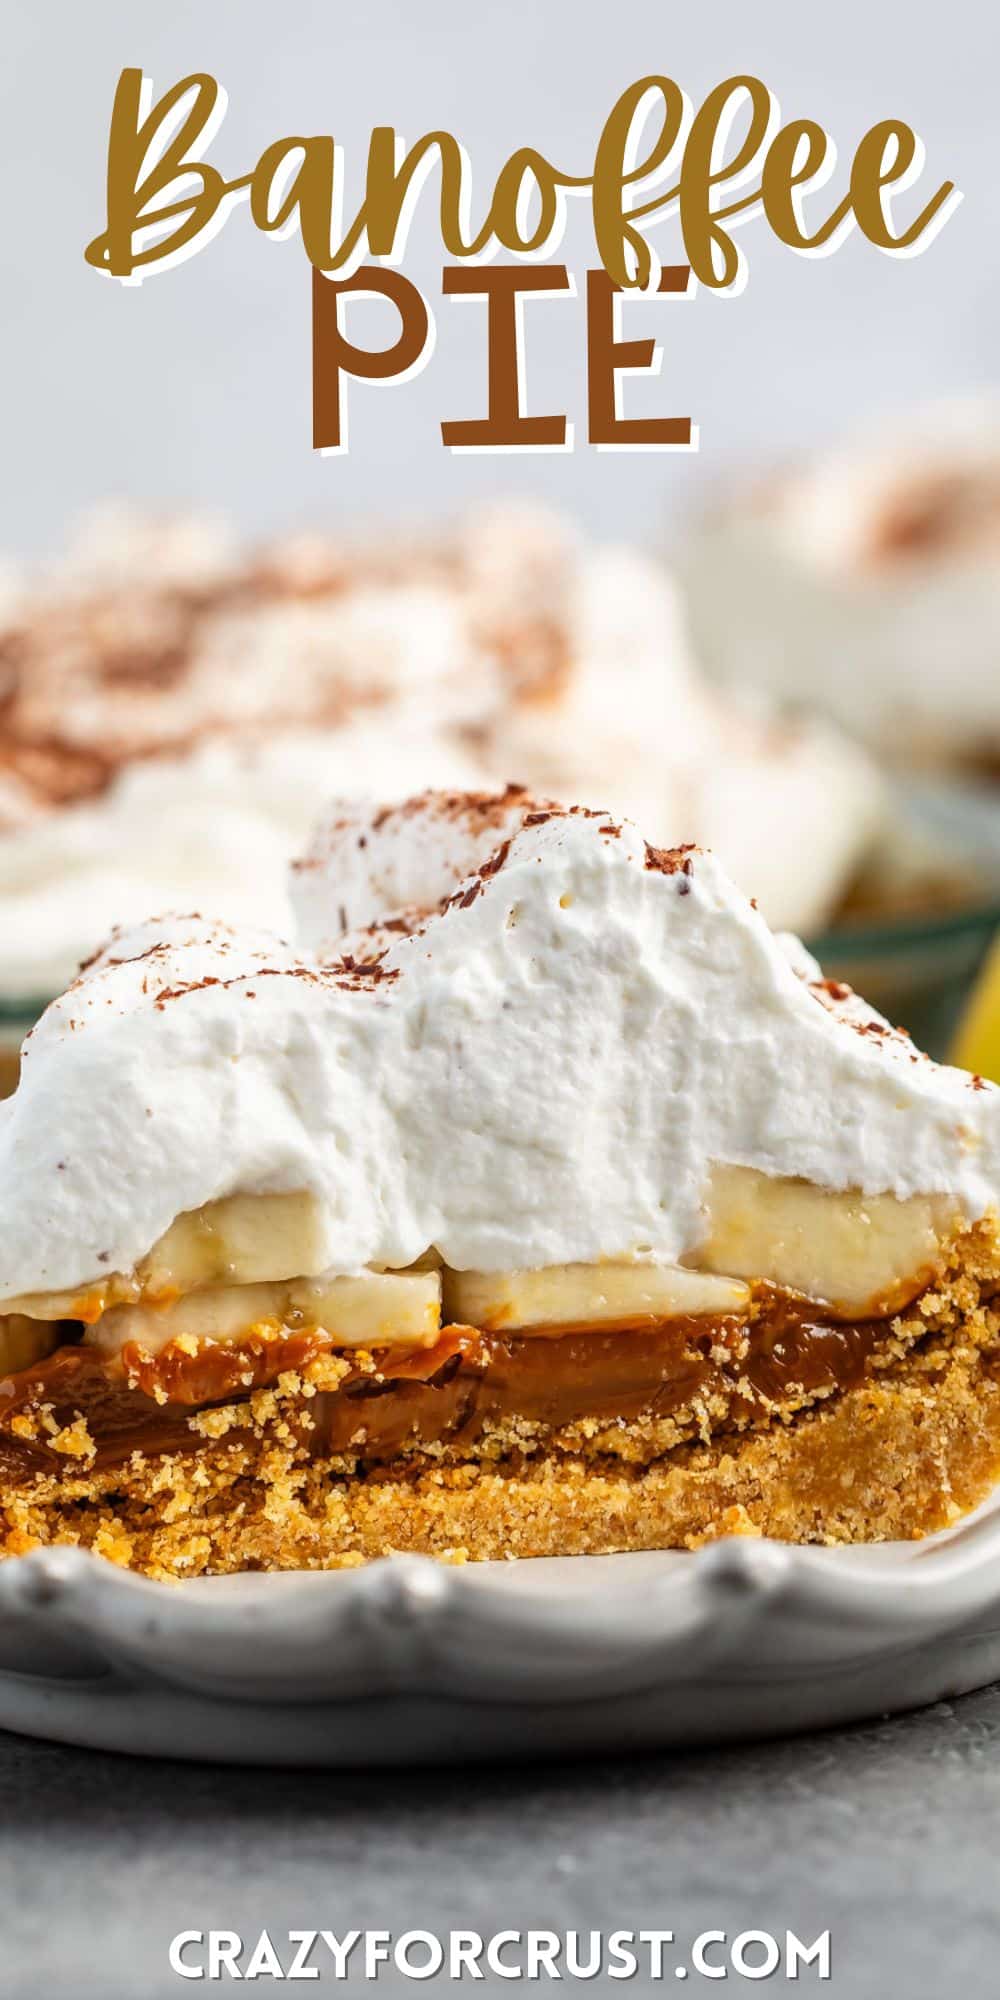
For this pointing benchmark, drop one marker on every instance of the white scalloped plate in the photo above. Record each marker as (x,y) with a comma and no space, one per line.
(408,1662)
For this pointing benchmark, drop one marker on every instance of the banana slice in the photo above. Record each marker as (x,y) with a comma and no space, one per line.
(10,1067)
(568,1297)
(24,1341)
(247,1239)
(860,1254)
(377,1309)
(977,1044)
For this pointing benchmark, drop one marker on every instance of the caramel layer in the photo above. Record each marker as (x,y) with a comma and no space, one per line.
(449,1393)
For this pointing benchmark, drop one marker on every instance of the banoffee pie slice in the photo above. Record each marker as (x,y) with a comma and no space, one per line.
(541,1202)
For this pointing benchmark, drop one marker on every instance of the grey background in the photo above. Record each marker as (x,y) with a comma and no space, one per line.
(885,1835)
(197,384)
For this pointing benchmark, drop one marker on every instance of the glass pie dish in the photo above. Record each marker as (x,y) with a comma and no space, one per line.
(915,931)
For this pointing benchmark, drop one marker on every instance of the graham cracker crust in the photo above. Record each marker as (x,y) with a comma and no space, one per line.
(910,1449)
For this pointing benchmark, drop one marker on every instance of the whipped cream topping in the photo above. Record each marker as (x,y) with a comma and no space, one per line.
(410,644)
(929,493)
(113,545)
(174,716)
(791,807)
(542,1066)
(175,713)
(866,582)
(390,870)
(211,830)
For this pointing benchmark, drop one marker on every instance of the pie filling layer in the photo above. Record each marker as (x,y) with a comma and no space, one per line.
(861,1254)
(376,1406)
(233,1298)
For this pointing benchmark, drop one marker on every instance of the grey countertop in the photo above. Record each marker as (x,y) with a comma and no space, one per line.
(888,1836)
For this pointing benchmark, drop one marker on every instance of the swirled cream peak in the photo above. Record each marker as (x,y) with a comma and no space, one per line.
(390,870)
(546,1065)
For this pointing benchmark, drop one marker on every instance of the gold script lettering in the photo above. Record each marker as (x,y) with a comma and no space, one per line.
(162,203)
